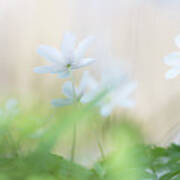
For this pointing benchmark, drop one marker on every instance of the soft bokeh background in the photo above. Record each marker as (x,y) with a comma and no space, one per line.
(140,32)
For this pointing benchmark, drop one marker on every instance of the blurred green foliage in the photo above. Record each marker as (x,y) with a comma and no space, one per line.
(28,138)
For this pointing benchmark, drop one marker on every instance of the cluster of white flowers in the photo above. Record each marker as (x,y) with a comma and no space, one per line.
(69,59)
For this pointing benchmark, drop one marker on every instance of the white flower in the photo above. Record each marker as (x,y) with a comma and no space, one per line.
(73,94)
(173,60)
(118,89)
(11,104)
(70,58)
(177,139)
(120,97)
(10,109)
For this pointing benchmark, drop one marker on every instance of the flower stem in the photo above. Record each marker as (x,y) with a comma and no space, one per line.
(73,87)
(101,149)
(73,148)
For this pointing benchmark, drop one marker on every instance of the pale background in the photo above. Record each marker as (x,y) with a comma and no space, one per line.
(140,32)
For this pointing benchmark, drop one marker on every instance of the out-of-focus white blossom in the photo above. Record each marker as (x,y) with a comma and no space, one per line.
(173,60)
(119,89)
(72,93)
(10,109)
(11,104)
(70,57)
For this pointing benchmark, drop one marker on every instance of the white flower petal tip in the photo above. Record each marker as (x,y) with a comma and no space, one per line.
(128,104)
(61,102)
(43,69)
(168,77)
(49,53)
(83,46)
(172,59)
(68,89)
(68,43)
(172,73)
(84,62)
(177,41)
(83,84)
(88,61)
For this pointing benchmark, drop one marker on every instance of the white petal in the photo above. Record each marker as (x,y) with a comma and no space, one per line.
(68,89)
(177,41)
(82,47)
(172,59)
(106,110)
(89,81)
(68,44)
(121,96)
(44,69)
(127,103)
(61,102)
(63,74)
(84,62)
(90,87)
(50,53)
(83,83)
(88,97)
(172,73)
(11,104)
(128,89)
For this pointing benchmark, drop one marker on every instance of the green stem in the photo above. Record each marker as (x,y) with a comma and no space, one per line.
(99,144)
(73,87)
(101,149)
(73,143)
(73,147)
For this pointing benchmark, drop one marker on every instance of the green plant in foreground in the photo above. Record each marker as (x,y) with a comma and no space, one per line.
(27,149)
